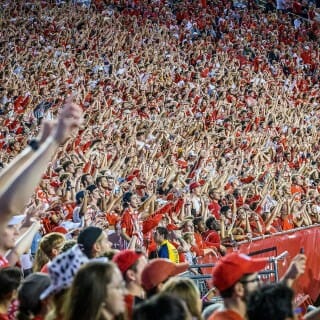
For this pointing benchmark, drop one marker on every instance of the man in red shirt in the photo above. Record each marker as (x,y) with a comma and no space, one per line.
(236,276)
(129,215)
(214,206)
(212,234)
(131,264)
(297,187)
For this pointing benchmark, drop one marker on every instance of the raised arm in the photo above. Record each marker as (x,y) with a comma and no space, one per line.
(9,171)
(20,187)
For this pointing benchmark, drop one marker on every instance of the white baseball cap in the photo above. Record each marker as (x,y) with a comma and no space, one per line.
(16,220)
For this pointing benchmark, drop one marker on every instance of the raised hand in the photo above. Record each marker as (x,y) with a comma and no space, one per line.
(69,119)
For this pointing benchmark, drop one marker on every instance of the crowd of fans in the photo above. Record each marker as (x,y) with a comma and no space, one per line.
(189,111)
(199,129)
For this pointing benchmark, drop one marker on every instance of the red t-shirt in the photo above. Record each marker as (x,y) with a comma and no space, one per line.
(45,268)
(214,208)
(296,189)
(127,220)
(287,223)
(211,237)
(226,315)
(4,262)
(112,218)
(129,301)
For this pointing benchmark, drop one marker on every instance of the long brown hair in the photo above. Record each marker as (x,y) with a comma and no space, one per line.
(88,291)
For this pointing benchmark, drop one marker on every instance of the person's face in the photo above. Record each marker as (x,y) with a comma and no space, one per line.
(95,194)
(164,222)
(241,214)
(158,238)
(70,168)
(141,137)
(197,191)
(216,225)
(134,202)
(251,283)
(51,190)
(229,214)
(314,209)
(104,182)
(188,227)
(201,226)
(110,183)
(115,294)
(215,196)
(299,180)
(55,216)
(88,180)
(102,244)
(8,238)
(78,171)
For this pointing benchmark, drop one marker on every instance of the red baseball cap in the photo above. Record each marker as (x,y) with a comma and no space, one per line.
(130,177)
(126,259)
(194,185)
(170,196)
(136,172)
(55,183)
(232,267)
(159,270)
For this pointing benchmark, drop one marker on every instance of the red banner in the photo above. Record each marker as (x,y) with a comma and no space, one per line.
(292,242)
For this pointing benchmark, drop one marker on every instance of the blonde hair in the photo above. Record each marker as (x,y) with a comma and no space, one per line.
(187,290)
(51,241)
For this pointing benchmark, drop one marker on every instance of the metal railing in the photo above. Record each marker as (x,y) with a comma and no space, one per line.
(270,274)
